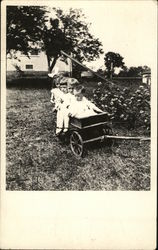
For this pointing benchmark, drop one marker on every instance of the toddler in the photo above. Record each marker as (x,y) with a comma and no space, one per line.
(62,104)
(71,83)
(56,96)
(82,107)
(68,101)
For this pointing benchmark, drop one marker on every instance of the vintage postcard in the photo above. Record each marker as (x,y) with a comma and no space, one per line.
(79,124)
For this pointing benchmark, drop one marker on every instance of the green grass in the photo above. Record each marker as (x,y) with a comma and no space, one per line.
(36,160)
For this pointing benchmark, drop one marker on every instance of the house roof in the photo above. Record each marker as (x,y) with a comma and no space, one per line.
(146,72)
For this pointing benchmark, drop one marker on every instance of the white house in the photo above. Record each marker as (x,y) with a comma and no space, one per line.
(35,65)
(146,77)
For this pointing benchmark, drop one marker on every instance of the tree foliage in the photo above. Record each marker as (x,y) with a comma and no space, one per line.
(24,27)
(83,45)
(133,71)
(53,41)
(68,31)
(113,60)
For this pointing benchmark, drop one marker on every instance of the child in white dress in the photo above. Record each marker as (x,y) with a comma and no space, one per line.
(56,97)
(61,122)
(69,99)
(58,93)
(82,107)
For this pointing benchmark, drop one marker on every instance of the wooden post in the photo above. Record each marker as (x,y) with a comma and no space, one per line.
(111,70)
(71,65)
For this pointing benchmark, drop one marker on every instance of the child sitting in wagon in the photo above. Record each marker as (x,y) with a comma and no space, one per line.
(79,107)
(82,107)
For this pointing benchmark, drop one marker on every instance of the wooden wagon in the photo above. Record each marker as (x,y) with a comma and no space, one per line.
(83,131)
(87,130)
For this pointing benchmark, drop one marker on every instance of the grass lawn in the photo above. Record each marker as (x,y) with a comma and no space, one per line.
(36,160)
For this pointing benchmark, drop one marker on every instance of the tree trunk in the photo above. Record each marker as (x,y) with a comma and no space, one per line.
(48,60)
(53,63)
(111,70)
(108,74)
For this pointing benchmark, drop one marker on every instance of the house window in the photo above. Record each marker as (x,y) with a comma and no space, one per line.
(34,53)
(29,66)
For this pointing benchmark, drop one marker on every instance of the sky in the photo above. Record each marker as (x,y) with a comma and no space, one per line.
(125,27)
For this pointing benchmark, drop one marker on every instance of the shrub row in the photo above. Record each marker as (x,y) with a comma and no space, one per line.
(125,107)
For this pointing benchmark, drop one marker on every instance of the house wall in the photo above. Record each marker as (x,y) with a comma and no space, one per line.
(36,63)
(146,78)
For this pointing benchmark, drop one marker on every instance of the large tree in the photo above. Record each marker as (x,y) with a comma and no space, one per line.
(53,40)
(113,60)
(68,31)
(24,28)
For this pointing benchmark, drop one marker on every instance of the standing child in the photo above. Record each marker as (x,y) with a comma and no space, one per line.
(62,108)
(56,96)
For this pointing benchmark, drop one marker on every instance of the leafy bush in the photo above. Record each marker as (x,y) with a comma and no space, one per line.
(125,107)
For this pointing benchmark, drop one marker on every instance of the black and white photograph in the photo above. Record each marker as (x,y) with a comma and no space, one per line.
(79,124)
(78,98)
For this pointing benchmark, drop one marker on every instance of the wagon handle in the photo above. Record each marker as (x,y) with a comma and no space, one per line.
(128,137)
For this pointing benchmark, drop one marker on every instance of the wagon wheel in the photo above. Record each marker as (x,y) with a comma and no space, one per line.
(76,144)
